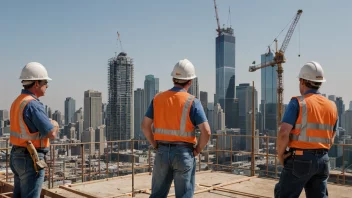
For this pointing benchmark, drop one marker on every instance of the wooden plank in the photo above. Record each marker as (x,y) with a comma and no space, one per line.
(78,192)
(219,185)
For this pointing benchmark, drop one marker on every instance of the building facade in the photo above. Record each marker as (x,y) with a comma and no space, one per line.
(151,87)
(244,95)
(120,118)
(194,88)
(225,67)
(269,104)
(70,108)
(204,100)
(92,109)
(139,111)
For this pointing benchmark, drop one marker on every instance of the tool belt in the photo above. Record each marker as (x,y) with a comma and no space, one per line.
(314,151)
(38,164)
(173,144)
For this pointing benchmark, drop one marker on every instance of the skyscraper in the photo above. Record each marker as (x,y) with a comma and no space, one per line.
(350,105)
(218,118)
(151,87)
(139,111)
(49,113)
(204,100)
(346,121)
(104,112)
(340,108)
(332,97)
(92,109)
(57,117)
(119,123)
(232,119)
(4,115)
(70,108)
(78,119)
(244,95)
(225,67)
(269,93)
(194,88)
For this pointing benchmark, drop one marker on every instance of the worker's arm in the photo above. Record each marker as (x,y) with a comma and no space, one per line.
(37,120)
(334,132)
(55,131)
(147,130)
(204,137)
(283,138)
(283,135)
(147,125)
(199,119)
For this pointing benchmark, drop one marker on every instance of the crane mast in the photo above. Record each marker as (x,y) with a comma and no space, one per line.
(279,59)
(217,18)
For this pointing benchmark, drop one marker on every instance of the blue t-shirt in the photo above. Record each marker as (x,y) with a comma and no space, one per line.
(35,117)
(292,110)
(196,114)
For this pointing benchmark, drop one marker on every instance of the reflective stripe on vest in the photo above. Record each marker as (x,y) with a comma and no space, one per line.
(305,125)
(24,134)
(181,132)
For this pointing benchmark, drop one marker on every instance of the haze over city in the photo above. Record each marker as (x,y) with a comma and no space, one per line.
(74,41)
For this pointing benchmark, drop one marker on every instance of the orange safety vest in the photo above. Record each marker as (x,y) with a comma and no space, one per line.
(315,123)
(19,132)
(171,117)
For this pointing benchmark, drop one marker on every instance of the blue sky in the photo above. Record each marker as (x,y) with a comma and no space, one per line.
(75,39)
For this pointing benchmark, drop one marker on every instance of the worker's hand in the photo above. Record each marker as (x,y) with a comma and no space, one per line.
(283,157)
(196,151)
(56,125)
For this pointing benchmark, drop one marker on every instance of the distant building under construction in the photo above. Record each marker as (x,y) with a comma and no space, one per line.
(120,104)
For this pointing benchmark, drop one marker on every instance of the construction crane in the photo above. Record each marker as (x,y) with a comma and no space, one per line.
(217,18)
(118,38)
(278,60)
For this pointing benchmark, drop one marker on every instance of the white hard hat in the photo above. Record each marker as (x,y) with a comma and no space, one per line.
(312,71)
(34,71)
(184,70)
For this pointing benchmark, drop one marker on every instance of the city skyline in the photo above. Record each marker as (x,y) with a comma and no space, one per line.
(250,43)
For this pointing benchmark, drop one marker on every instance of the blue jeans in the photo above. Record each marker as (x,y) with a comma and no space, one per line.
(173,163)
(309,171)
(28,184)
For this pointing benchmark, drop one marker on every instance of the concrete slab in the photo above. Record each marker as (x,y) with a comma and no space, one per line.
(258,187)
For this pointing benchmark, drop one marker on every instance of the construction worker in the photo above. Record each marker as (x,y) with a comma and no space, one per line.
(308,129)
(175,114)
(29,122)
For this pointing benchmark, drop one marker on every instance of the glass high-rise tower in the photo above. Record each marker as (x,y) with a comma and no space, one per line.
(225,67)
(269,94)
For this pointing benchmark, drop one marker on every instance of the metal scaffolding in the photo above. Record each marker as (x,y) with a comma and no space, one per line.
(120,117)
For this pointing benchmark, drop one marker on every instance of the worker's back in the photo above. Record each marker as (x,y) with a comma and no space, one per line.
(171,117)
(315,123)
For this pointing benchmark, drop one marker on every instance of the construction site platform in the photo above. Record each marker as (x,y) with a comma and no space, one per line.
(208,185)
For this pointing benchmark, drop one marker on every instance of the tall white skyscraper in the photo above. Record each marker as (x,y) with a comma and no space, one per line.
(194,88)
(92,109)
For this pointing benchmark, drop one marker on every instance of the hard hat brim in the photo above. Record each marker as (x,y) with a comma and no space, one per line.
(47,78)
(324,80)
(189,78)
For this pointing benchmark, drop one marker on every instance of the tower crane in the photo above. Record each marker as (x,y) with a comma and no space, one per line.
(118,38)
(217,18)
(278,60)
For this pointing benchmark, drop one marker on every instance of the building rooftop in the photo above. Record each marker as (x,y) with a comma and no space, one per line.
(208,185)
(81,174)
